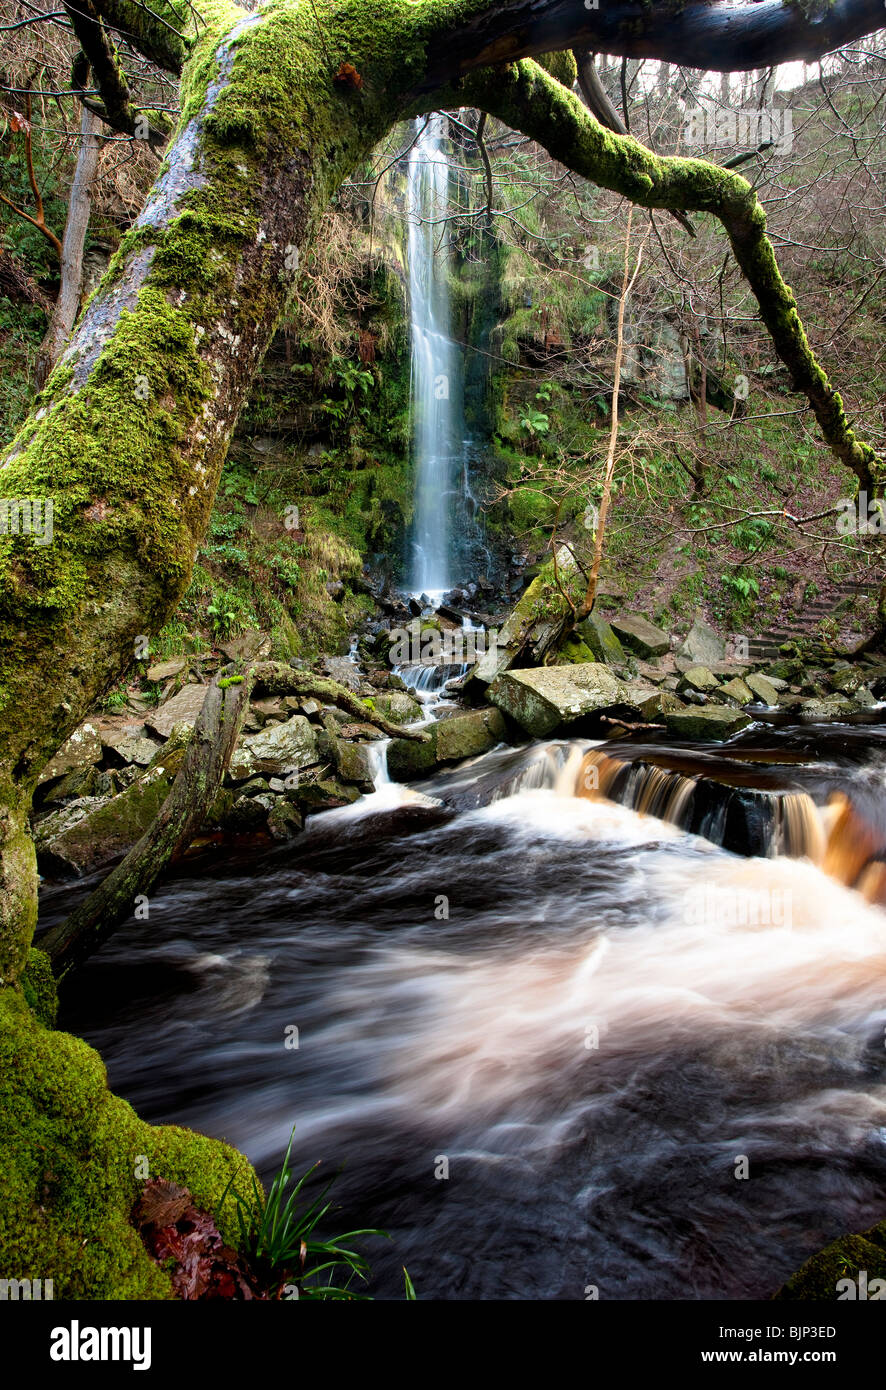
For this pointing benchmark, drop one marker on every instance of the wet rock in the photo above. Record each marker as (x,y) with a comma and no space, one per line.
(323,795)
(712,723)
(831,707)
(702,645)
(863,698)
(398,706)
(763,689)
(700,679)
(183,708)
(640,636)
(82,749)
(601,639)
(284,821)
(541,700)
(469,734)
(353,762)
(463,735)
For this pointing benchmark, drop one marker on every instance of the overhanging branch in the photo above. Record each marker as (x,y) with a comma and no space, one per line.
(527,99)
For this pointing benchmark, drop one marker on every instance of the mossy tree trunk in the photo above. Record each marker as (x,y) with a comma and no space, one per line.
(128,437)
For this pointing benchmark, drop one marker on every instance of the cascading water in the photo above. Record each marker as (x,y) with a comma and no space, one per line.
(436,394)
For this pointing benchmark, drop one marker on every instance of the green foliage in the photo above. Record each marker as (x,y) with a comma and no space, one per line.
(745,586)
(279,1233)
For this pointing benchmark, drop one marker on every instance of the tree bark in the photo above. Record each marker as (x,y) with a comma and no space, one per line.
(65,309)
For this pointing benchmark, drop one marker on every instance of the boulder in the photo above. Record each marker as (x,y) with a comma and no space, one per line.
(284,821)
(323,795)
(764,690)
(278,749)
(353,763)
(831,707)
(398,706)
(183,708)
(640,636)
(699,678)
(82,749)
(736,690)
(702,645)
(541,700)
(846,679)
(136,749)
(462,735)
(465,735)
(598,634)
(711,723)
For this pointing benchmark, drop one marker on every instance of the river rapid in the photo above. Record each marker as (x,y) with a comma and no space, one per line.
(553,1043)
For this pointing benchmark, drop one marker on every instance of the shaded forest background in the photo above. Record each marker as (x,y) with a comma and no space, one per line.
(718,461)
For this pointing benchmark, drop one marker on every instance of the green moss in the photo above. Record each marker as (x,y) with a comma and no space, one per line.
(817,1279)
(38,987)
(74,1157)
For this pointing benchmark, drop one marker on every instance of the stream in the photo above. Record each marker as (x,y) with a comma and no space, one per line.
(537,1031)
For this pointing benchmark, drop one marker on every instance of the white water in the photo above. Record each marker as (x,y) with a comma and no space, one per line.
(436,366)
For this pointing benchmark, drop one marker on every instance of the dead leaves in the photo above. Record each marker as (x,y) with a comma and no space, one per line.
(188,1244)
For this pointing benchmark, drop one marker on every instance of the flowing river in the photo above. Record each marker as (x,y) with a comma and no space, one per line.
(544,1034)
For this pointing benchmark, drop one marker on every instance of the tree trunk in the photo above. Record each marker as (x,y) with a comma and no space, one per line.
(64,312)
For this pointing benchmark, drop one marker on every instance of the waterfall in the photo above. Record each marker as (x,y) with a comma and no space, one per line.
(437,413)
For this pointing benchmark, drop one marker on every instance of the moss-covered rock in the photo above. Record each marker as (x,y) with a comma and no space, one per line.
(845,1259)
(598,634)
(74,1158)
(38,987)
